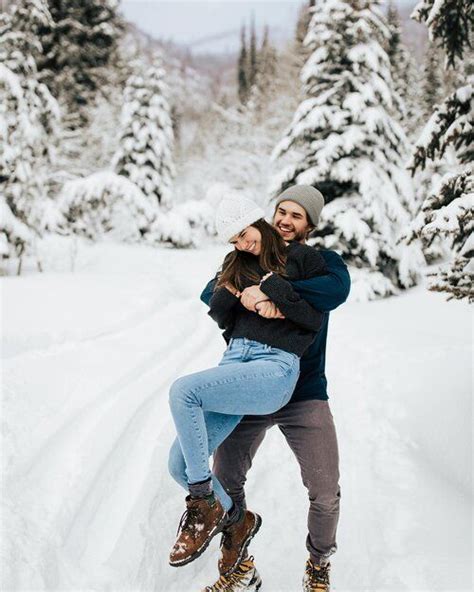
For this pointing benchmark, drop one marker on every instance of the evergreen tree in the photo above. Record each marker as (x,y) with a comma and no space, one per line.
(344,141)
(449,23)
(79,50)
(404,77)
(252,64)
(104,203)
(267,61)
(29,118)
(242,74)
(431,81)
(234,144)
(302,24)
(428,180)
(263,90)
(449,212)
(146,138)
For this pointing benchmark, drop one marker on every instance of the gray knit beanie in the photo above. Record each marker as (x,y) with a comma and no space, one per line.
(234,214)
(307,197)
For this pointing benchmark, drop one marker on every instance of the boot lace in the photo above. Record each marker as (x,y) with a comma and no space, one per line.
(188,521)
(318,576)
(227,583)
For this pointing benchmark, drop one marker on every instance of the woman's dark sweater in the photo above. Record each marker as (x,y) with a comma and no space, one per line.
(297,330)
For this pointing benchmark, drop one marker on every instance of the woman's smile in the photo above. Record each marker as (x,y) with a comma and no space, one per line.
(251,247)
(249,241)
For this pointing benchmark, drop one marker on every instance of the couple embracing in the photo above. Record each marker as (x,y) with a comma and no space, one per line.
(271,297)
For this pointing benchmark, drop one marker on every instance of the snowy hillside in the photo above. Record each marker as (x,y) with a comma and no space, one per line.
(88,358)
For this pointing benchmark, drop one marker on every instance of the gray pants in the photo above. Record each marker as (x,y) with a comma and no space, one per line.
(308,427)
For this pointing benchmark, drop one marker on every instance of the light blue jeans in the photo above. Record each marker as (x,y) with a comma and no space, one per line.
(251,379)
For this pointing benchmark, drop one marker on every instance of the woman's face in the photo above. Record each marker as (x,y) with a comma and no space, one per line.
(249,240)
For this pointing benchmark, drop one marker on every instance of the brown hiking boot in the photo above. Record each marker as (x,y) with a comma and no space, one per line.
(236,539)
(202,520)
(316,577)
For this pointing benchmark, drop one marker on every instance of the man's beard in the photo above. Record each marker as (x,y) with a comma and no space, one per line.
(301,236)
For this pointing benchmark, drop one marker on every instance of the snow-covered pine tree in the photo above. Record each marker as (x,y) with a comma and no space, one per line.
(449,212)
(29,118)
(449,23)
(262,93)
(431,81)
(267,63)
(404,76)
(104,203)
(243,83)
(145,154)
(344,141)
(231,145)
(79,53)
(302,24)
(185,225)
(427,181)
(253,60)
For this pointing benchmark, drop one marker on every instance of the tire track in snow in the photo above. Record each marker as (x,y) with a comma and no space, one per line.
(136,534)
(165,499)
(155,309)
(119,479)
(93,411)
(57,482)
(61,448)
(169,288)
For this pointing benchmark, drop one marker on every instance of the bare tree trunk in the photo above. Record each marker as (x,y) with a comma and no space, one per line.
(38,259)
(20,260)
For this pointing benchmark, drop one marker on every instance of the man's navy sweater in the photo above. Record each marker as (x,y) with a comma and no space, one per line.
(325,293)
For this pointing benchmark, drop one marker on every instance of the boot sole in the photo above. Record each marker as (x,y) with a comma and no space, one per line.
(253,532)
(256,583)
(217,529)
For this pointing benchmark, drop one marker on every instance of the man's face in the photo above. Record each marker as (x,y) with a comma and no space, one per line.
(291,221)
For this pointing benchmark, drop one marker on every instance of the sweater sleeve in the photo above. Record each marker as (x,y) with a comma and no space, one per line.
(329,291)
(222,307)
(310,263)
(291,304)
(208,291)
(313,264)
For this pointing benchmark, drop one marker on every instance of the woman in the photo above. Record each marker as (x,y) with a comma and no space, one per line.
(256,375)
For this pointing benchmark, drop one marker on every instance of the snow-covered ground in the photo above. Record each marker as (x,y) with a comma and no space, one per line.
(88,504)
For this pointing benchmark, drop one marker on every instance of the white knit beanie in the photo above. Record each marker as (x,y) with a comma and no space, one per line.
(234,214)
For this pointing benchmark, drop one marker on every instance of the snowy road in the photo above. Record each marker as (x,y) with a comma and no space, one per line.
(88,504)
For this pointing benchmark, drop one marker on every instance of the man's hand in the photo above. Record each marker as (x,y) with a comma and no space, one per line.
(250,296)
(269,310)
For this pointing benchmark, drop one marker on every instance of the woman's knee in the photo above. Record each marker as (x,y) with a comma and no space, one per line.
(180,391)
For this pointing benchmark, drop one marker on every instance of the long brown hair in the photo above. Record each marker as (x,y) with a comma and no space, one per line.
(239,266)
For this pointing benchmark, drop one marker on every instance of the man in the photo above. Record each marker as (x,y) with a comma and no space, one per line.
(306,421)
